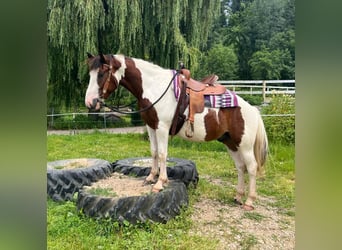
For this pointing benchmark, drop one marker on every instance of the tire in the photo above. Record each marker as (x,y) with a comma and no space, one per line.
(155,207)
(63,183)
(184,170)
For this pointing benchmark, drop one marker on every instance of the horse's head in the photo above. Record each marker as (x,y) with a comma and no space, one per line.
(105,73)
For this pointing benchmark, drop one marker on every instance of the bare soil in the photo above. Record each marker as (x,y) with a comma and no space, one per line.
(233,228)
(123,185)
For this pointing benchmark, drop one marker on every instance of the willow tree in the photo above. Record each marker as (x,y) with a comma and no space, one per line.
(164,32)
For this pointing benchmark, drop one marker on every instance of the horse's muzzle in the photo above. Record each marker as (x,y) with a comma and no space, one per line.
(94,105)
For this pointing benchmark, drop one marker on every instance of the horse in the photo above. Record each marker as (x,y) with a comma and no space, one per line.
(240,129)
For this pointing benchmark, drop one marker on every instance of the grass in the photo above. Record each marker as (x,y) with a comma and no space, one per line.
(107,192)
(69,229)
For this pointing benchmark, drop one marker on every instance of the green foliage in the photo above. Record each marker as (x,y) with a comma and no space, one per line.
(222,61)
(266,64)
(259,24)
(164,32)
(254,100)
(85,122)
(107,192)
(280,128)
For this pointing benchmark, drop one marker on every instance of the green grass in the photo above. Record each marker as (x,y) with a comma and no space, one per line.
(69,229)
(107,192)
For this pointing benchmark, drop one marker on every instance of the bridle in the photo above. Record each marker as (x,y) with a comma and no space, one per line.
(110,73)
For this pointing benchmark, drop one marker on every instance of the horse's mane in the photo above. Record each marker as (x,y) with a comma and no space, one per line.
(150,64)
(95,62)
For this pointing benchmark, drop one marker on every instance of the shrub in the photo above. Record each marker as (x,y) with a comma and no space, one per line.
(86,122)
(252,99)
(280,128)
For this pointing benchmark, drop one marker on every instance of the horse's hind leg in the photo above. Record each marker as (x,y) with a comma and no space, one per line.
(241,169)
(252,167)
(244,160)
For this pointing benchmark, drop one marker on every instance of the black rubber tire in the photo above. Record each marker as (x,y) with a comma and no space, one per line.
(63,183)
(155,207)
(184,170)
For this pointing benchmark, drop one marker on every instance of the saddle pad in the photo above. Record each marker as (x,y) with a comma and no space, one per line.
(176,87)
(226,100)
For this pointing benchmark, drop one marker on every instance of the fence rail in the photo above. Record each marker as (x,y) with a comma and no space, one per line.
(257,87)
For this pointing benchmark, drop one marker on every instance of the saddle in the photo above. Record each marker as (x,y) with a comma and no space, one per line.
(192,96)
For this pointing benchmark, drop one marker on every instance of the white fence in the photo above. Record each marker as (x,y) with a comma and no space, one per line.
(260,87)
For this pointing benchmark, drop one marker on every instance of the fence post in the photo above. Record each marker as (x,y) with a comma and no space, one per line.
(52,115)
(74,123)
(264,91)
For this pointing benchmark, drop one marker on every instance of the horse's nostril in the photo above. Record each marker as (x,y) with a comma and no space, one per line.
(95,101)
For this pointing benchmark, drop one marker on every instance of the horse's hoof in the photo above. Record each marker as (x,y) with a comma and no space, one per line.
(156,190)
(247,207)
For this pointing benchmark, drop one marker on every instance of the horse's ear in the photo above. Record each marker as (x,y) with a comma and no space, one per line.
(102,59)
(89,55)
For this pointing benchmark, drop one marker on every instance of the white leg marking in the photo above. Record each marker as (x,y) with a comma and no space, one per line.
(154,153)
(241,168)
(162,138)
(252,171)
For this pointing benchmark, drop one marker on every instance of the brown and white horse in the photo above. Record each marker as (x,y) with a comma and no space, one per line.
(240,128)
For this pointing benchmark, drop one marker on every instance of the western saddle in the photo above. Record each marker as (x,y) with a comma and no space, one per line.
(192,96)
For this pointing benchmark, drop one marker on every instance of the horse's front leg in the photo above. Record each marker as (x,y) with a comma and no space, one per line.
(162,136)
(151,178)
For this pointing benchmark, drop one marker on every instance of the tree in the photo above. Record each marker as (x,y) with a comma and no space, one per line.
(266,64)
(254,25)
(164,32)
(222,61)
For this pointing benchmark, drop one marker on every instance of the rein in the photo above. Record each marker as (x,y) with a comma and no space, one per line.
(140,110)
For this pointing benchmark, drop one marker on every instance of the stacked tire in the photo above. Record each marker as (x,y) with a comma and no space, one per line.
(183,170)
(155,207)
(63,183)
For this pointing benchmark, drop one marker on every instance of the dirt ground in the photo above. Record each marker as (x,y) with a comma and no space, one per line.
(233,228)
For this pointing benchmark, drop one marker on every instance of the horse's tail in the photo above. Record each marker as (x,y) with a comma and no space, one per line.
(261,146)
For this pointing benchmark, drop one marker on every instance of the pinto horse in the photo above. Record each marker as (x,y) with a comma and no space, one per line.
(240,128)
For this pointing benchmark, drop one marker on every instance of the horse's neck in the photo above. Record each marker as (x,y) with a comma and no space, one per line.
(151,79)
